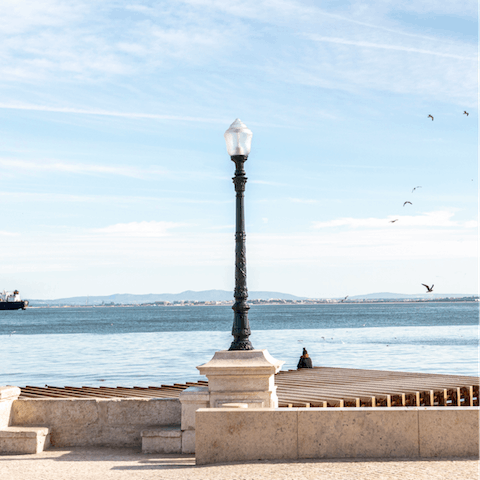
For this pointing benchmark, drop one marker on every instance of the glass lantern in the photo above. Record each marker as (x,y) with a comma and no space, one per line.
(238,138)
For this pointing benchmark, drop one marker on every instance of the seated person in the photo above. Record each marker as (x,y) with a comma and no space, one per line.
(305,361)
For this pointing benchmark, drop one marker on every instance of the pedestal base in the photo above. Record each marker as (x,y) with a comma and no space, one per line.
(242,376)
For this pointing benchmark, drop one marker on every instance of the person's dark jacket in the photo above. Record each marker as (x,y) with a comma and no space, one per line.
(305,362)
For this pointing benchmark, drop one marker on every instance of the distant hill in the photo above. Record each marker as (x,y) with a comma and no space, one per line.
(223,295)
(129,298)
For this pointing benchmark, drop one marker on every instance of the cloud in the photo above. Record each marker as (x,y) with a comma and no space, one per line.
(92,111)
(4,233)
(77,168)
(303,200)
(140,229)
(430,219)
(400,48)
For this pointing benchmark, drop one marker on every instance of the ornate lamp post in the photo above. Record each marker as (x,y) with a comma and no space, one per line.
(239,139)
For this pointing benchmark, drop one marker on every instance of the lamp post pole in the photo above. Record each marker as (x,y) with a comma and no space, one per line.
(238,138)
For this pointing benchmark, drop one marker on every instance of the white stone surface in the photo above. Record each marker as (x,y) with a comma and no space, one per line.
(9,393)
(7,396)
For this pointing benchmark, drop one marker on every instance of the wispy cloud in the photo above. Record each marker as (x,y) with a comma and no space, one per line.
(88,111)
(400,48)
(429,219)
(303,200)
(8,234)
(77,168)
(140,229)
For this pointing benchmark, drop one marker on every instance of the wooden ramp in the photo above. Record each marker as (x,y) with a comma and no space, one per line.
(317,387)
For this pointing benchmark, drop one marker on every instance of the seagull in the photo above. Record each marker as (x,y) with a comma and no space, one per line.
(416,188)
(429,289)
(465,113)
(430,116)
(344,299)
(407,202)
(13,332)
(393,221)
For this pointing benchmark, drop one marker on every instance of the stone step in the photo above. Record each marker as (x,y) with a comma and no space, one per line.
(22,440)
(162,439)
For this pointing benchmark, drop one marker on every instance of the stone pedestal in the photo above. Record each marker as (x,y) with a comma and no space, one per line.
(242,376)
(191,399)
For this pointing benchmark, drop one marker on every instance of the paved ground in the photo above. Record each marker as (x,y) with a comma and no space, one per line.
(131,464)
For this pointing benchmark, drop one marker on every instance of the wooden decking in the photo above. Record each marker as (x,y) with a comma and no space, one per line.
(317,387)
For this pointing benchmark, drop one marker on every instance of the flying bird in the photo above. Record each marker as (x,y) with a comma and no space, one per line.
(416,188)
(429,289)
(465,113)
(393,221)
(407,202)
(344,299)
(430,116)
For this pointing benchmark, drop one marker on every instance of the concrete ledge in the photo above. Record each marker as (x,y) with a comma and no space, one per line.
(448,432)
(24,440)
(232,435)
(357,433)
(96,422)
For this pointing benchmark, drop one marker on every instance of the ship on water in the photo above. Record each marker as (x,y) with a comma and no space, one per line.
(12,301)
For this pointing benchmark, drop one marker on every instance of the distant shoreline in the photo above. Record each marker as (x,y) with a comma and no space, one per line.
(263,303)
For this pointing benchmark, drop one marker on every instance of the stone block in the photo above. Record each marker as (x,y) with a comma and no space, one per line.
(165,439)
(54,412)
(188,441)
(231,435)
(151,411)
(191,400)
(24,440)
(448,431)
(357,432)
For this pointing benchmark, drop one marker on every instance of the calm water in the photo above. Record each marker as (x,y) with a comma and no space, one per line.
(146,346)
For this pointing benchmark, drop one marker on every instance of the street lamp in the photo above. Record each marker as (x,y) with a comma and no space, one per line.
(239,139)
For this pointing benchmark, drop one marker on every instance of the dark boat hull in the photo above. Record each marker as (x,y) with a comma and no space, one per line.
(14,305)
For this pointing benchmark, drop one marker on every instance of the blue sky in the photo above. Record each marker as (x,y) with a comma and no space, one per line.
(115,176)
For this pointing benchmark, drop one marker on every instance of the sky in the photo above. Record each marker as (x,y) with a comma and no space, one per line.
(114,171)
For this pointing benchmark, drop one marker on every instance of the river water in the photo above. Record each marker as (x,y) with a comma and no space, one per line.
(149,346)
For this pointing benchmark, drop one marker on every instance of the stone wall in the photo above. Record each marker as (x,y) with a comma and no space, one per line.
(236,435)
(96,422)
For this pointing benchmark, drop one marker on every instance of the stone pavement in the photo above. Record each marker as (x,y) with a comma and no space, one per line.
(131,464)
